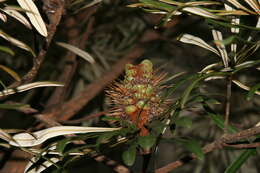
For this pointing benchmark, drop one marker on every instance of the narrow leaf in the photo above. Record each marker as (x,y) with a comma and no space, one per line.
(221,47)
(12,106)
(236,165)
(187,38)
(243,86)
(34,16)
(18,16)
(200,12)
(16,42)
(29,86)
(7,50)
(77,51)
(10,72)
(5,136)
(253,91)
(36,138)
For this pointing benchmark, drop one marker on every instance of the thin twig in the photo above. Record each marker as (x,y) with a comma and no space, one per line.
(86,118)
(224,140)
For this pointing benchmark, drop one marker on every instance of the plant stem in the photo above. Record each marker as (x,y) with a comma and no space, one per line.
(227,105)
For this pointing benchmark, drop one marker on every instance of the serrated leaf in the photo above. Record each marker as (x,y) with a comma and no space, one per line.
(236,164)
(7,50)
(29,86)
(190,39)
(253,91)
(36,138)
(193,146)
(184,122)
(10,72)
(146,142)
(129,155)
(77,51)
(16,42)
(34,16)
(18,16)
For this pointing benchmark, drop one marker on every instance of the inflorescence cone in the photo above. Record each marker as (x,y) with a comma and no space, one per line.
(137,98)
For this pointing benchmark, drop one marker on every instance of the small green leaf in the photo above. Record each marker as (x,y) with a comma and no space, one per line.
(146,142)
(129,156)
(252,91)
(234,167)
(193,146)
(184,122)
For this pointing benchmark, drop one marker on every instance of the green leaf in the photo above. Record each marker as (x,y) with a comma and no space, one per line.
(218,120)
(105,137)
(62,144)
(234,167)
(184,122)
(129,156)
(252,91)
(7,50)
(193,146)
(196,80)
(10,72)
(12,106)
(158,5)
(146,142)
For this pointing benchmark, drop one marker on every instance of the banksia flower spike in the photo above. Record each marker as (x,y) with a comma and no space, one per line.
(137,97)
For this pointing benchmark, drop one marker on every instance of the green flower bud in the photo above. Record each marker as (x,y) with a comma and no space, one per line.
(140,104)
(147,66)
(149,90)
(130,109)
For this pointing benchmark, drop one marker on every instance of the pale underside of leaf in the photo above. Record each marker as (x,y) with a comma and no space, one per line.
(200,12)
(16,42)
(187,38)
(3,17)
(36,138)
(29,86)
(243,86)
(41,167)
(77,51)
(254,5)
(18,16)
(238,5)
(217,35)
(34,16)
(5,136)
